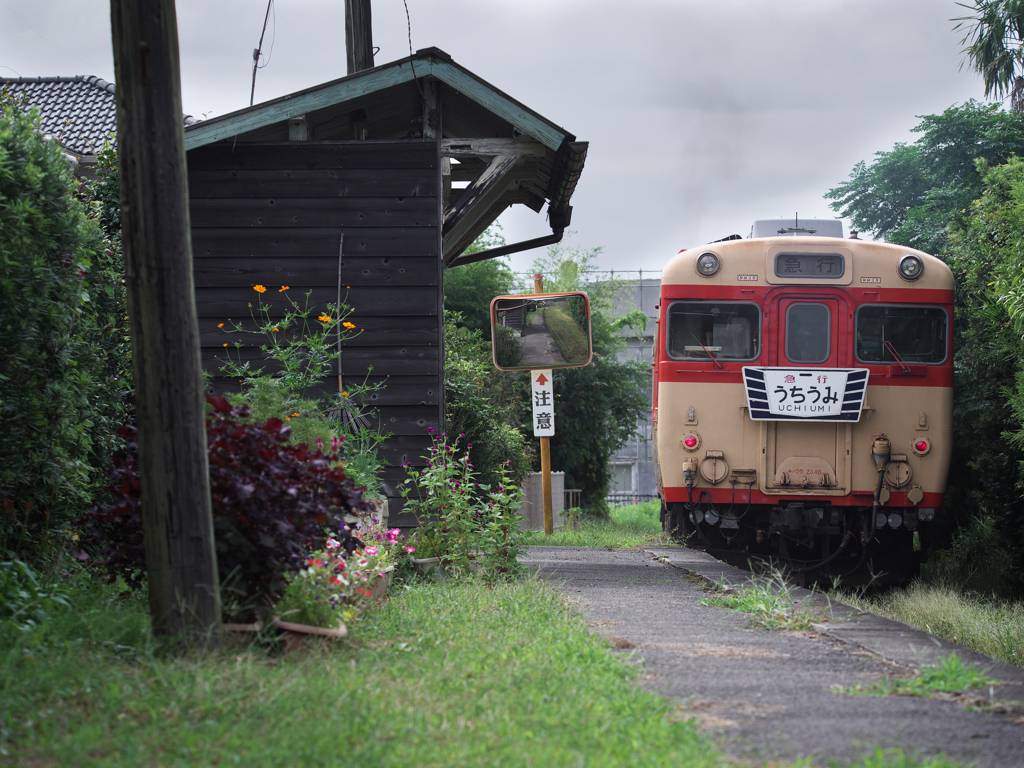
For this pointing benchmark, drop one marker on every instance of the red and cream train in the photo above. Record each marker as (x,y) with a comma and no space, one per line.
(803,397)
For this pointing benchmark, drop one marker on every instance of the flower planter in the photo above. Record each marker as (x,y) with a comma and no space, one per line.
(294,637)
(299,638)
(430,566)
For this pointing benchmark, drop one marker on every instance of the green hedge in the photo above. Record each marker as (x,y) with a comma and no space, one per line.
(60,400)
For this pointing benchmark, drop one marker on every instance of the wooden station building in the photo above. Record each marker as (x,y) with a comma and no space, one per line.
(349,186)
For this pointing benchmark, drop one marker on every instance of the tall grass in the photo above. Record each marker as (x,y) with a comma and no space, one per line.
(456,674)
(635,525)
(990,626)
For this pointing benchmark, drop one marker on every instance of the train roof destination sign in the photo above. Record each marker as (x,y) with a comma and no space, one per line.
(805,394)
(543,398)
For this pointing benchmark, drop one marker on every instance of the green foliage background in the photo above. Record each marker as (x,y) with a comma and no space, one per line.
(957,192)
(479,402)
(62,389)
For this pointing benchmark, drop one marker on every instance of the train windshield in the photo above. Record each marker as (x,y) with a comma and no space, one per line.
(808,333)
(699,330)
(915,334)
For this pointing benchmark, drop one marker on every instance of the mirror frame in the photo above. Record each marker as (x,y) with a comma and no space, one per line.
(527,297)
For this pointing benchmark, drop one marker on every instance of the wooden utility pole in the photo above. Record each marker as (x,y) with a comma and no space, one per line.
(177,524)
(358,35)
(545,451)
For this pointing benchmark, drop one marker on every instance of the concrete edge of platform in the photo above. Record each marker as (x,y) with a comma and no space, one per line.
(893,641)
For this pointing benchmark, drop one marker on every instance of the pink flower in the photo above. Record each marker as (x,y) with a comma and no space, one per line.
(410,550)
(333,543)
(362,562)
(319,443)
(335,442)
(392,535)
(371,551)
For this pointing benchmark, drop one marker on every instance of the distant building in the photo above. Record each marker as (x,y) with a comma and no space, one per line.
(632,465)
(79,112)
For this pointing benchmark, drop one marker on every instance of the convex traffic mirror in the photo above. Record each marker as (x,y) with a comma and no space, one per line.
(546,330)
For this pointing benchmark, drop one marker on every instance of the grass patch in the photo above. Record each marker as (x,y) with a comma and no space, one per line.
(635,525)
(950,675)
(570,339)
(896,758)
(441,675)
(992,627)
(767,603)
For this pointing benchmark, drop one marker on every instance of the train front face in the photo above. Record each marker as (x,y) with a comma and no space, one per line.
(788,371)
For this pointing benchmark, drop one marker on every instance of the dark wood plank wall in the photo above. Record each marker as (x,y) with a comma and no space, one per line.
(272,213)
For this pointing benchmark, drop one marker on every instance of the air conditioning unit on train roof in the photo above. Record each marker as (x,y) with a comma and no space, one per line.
(797,227)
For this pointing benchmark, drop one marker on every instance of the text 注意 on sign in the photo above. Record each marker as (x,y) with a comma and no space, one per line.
(543,399)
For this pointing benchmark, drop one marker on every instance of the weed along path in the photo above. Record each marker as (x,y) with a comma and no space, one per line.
(781,694)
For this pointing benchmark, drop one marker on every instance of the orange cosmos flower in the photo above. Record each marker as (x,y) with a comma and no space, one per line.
(259,288)
(349,325)
(220,325)
(283,288)
(324,318)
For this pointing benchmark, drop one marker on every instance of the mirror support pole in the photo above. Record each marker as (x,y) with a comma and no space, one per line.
(545,451)
(545,484)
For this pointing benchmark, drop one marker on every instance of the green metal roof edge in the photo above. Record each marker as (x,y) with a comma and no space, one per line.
(427,63)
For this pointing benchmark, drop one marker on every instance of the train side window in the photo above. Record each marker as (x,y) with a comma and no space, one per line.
(917,334)
(725,330)
(808,333)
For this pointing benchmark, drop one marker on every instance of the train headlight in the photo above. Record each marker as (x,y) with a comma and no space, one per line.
(895,520)
(708,264)
(921,446)
(910,267)
(926,514)
(690,441)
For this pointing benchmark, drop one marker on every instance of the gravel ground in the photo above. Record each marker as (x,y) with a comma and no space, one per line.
(768,695)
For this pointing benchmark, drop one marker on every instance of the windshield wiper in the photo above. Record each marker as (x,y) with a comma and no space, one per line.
(717,364)
(892,350)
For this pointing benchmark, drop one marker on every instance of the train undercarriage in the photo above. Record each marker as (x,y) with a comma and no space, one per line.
(811,540)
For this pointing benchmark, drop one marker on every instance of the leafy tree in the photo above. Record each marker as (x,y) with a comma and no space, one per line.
(596,410)
(468,289)
(986,253)
(909,194)
(566,269)
(478,407)
(958,192)
(994,38)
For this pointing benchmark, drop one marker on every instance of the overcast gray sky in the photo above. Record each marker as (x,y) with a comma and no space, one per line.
(701,116)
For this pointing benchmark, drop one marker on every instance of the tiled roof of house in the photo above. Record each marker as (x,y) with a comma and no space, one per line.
(78,111)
